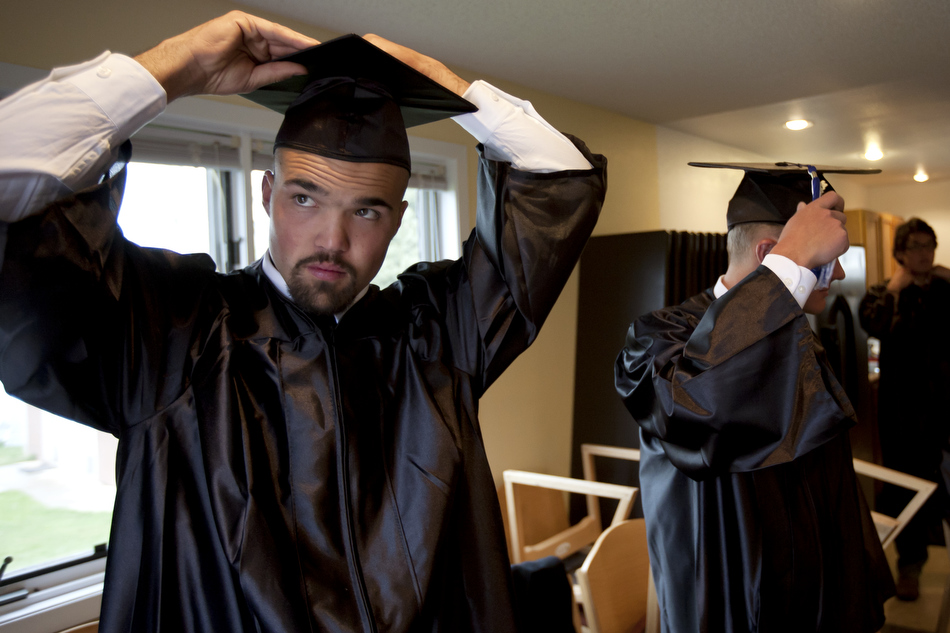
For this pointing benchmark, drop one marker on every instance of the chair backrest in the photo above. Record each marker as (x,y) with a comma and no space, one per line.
(576,536)
(588,452)
(889,527)
(614,580)
(542,513)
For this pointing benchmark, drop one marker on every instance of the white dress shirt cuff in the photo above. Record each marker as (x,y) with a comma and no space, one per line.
(512,131)
(60,133)
(127,93)
(799,280)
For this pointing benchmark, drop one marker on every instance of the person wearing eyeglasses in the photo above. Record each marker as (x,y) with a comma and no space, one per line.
(908,314)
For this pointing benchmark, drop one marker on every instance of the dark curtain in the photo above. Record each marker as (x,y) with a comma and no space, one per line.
(695,262)
(621,278)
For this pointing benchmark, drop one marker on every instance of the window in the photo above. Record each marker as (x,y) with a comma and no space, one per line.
(186,191)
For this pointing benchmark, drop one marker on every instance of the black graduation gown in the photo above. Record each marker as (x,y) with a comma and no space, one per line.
(275,475)
(755,520)
(914,389)
(913,400)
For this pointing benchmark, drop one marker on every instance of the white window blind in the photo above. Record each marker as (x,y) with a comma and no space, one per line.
(428,175)
(157,143)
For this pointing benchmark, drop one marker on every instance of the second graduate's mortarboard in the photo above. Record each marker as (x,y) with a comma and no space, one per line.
(770,192)
(355,103)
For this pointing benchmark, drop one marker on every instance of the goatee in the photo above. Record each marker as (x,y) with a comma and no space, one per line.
(319,297)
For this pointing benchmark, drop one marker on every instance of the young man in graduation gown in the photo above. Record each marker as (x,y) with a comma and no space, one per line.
(908,313)
(298,450)
(755,520)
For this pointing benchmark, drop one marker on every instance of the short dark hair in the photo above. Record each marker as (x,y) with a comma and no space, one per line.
(905,230)
(742,238)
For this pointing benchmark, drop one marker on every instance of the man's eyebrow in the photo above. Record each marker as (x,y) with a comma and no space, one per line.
(374,202)
(307,185)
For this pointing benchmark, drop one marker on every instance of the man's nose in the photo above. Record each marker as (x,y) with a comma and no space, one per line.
(333,235)
(839,270)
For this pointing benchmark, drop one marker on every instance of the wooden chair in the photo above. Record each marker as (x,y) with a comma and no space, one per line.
(575,537)
(889,527)
(614,580)
(588,452)
(542,513)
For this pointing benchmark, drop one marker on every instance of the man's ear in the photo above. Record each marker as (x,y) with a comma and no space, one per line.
(763,247)
(267,189)
(402,212)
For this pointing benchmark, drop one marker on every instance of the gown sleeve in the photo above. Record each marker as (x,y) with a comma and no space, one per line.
(92,327)
(530,230)
(61,252)
(734,384)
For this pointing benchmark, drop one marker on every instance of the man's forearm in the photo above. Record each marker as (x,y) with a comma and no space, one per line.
(59,134)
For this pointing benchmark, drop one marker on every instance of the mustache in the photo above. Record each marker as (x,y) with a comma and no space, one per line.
(325,258)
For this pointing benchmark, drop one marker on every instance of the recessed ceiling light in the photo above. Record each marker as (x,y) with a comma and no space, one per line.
(873,152)
(798,124)
(921,175)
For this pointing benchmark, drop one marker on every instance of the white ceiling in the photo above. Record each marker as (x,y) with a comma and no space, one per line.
(728,70)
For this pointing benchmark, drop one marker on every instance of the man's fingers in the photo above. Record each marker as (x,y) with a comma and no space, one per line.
(266,41)
(396,50)
(832,200)
(402,53)
(428,66)
(816,233)
(269,73)
(269,40)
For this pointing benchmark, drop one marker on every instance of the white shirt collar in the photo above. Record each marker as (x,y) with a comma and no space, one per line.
(720,288)
(271,272)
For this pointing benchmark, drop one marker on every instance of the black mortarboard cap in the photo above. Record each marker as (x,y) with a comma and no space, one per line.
(356,103)
(770,192)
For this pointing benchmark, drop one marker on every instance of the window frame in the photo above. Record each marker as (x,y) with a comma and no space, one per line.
(454,201)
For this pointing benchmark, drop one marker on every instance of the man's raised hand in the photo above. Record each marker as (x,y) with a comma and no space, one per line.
(227,55)
(816,234)
(431,68)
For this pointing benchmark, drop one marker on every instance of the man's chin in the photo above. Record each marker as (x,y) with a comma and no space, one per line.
(816,303)
(322,301)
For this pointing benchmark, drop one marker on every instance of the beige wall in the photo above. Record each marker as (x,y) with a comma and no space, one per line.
(692,198)
(929,201)
(526,416)
(48,33)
